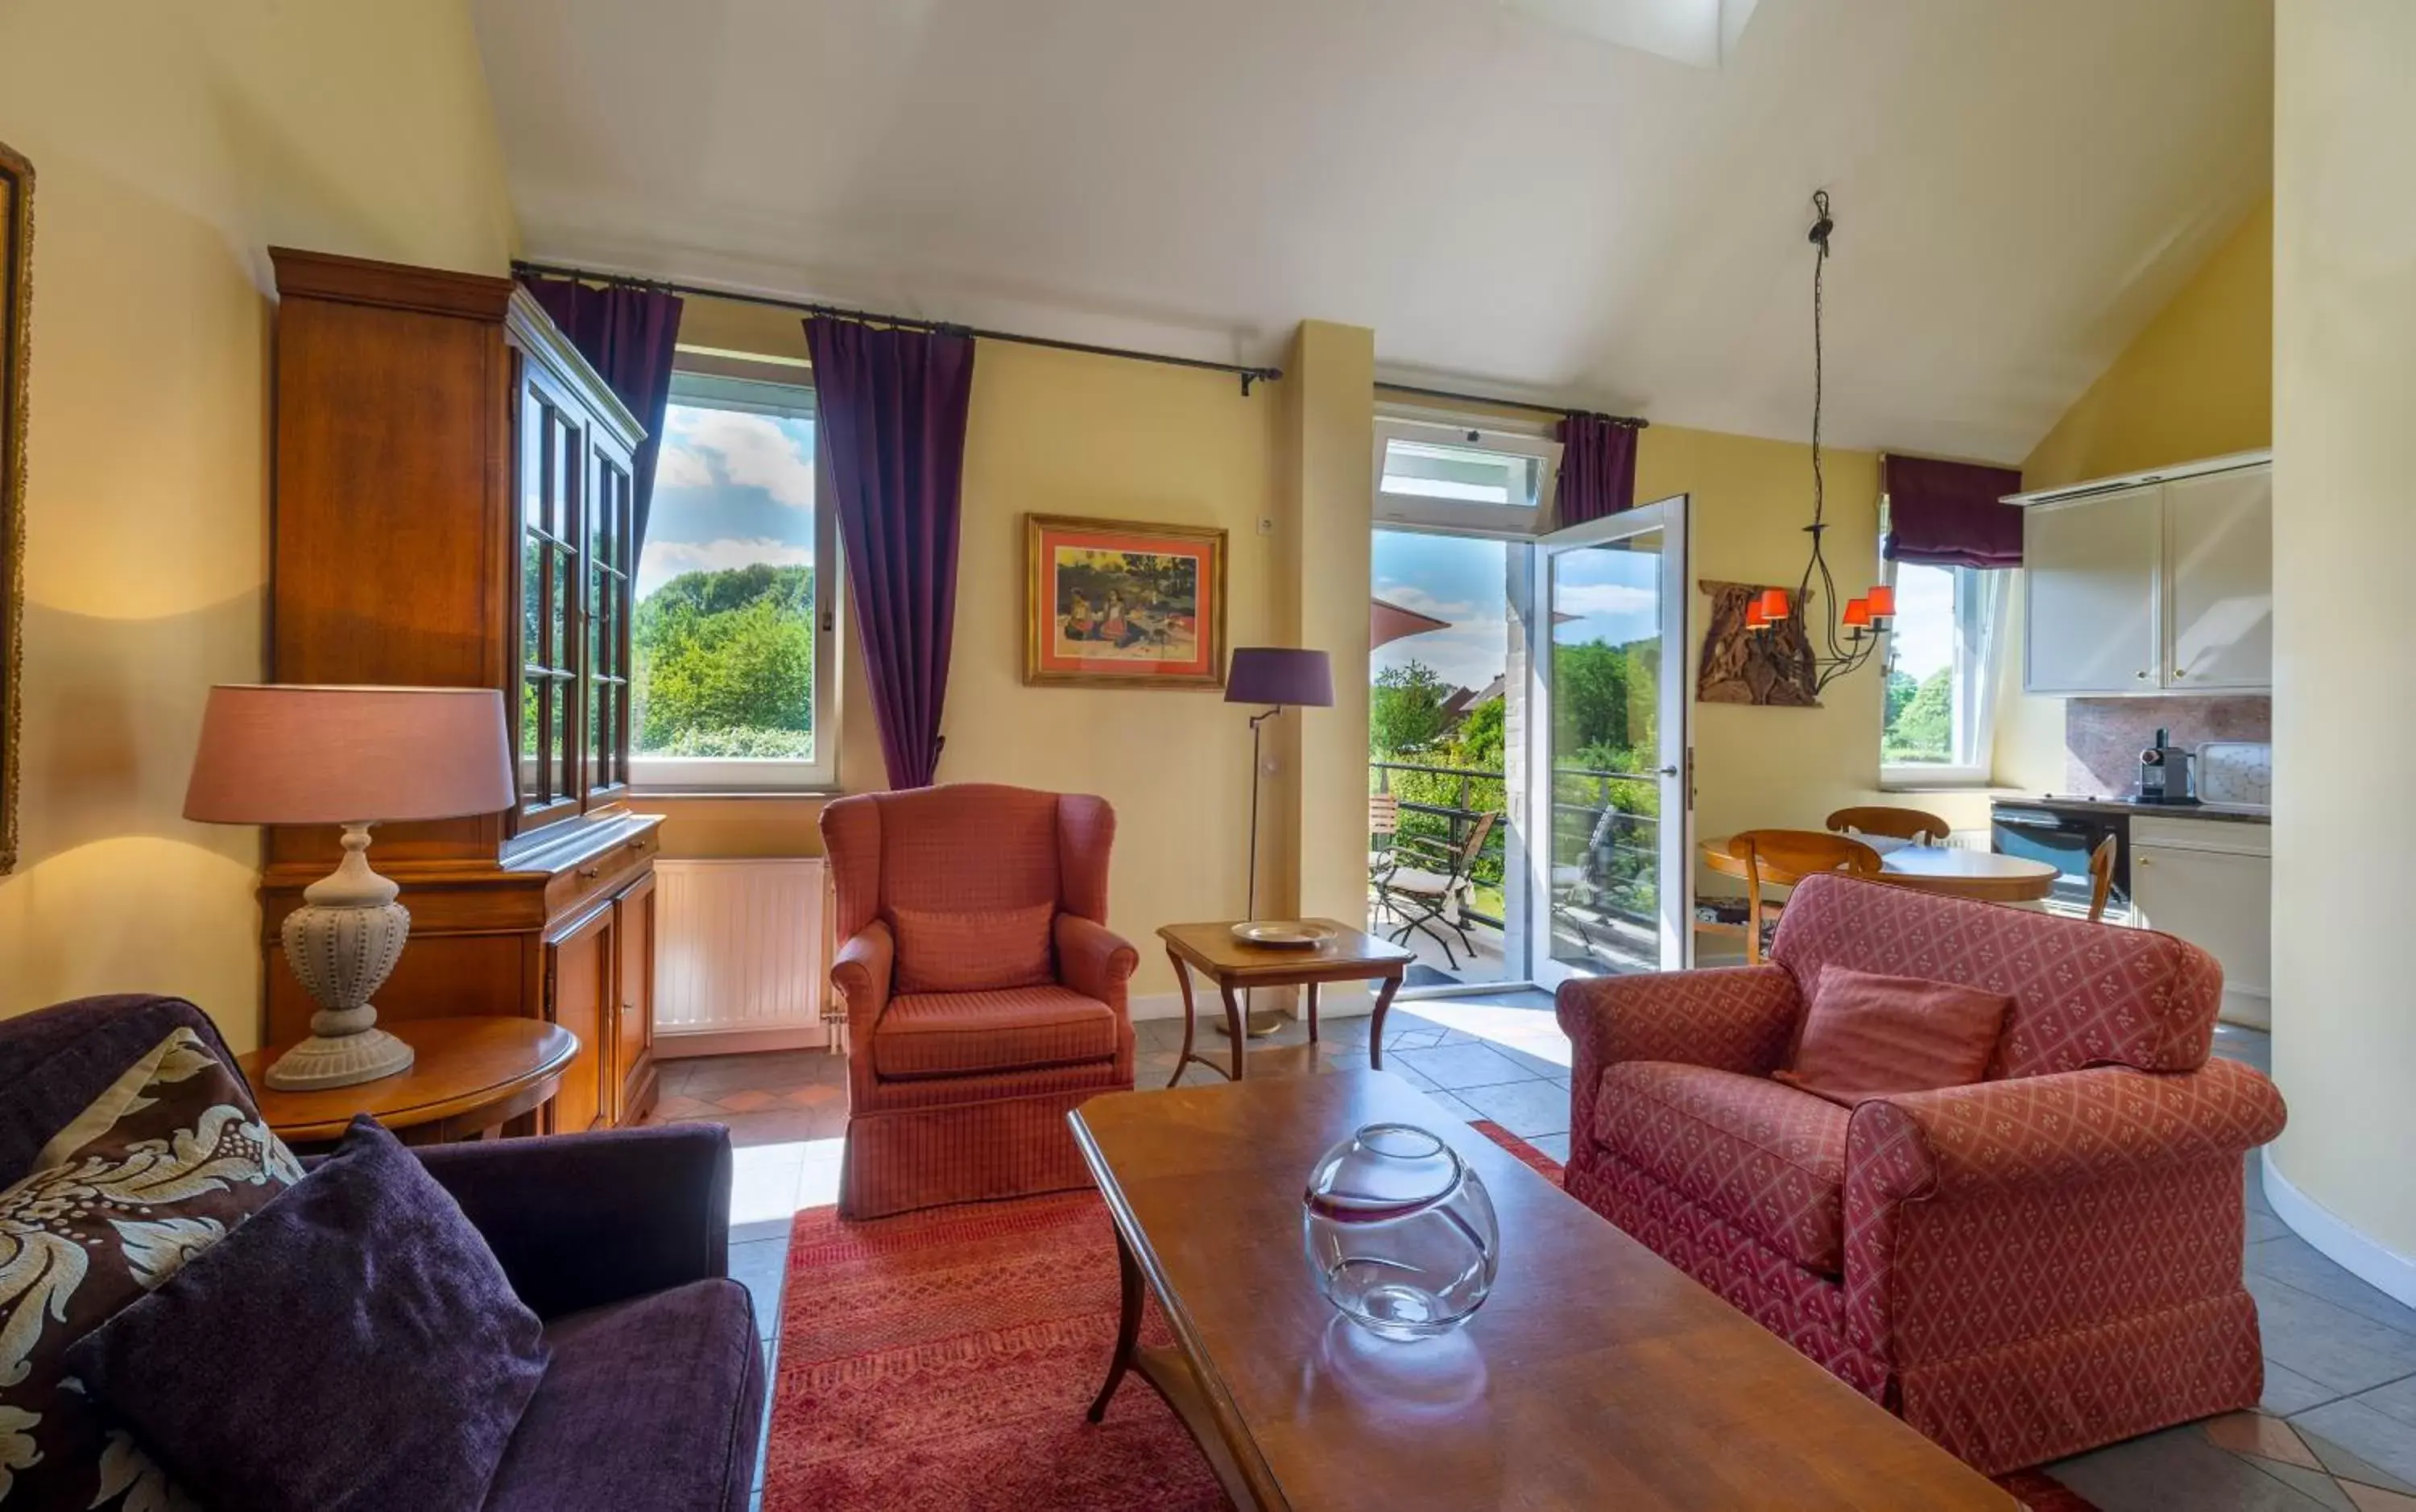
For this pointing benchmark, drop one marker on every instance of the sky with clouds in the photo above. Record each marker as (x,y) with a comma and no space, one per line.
(1461,580)
(1923,635)
(730,489)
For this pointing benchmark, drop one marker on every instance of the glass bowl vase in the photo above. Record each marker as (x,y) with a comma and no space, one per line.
(1399,1232)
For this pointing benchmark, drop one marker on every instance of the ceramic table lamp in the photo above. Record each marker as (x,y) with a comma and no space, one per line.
(296,753)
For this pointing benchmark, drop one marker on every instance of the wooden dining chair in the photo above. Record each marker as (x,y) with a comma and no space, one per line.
(1782,857)
(2101,875)
(1895,823)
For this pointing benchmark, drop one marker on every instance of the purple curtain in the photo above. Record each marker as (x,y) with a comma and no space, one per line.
(1597,467)
(626,334)
(1946,513)
(890,409)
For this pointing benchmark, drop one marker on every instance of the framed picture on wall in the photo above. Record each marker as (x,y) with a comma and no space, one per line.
(15,348)
(1121,604)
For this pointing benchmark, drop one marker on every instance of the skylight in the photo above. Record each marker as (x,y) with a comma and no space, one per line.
(1702,34)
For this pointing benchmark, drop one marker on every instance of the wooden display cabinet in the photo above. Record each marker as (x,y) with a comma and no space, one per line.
(452,508)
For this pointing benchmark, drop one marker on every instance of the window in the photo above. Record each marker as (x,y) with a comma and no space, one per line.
(733,630)
(1442,472)
(1942,676)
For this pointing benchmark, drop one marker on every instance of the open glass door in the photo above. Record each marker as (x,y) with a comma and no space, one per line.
(1607,738)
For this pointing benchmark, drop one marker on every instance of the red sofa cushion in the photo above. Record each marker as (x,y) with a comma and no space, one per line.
(974,950)
(967,1033)
(1767,1157)
(1867,1034)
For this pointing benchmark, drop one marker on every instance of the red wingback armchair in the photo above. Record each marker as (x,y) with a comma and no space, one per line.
(985,995)
(2025,1268)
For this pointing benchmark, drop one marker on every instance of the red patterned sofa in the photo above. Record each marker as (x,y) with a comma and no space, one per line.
(961,1094)
(2022,1269)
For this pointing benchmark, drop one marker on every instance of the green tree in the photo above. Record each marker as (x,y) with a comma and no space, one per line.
(1922,729)
(726,662)
(1405,709)
(1901,686)
(1481,736)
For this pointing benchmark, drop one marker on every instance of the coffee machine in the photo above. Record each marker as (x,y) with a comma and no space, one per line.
(2165,772)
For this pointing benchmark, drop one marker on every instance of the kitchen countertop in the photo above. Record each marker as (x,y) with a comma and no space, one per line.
(2223,813)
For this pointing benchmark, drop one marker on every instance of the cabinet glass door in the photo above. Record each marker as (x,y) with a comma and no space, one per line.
(607,626)
(553,462)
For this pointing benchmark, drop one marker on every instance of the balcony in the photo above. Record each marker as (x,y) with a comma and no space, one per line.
(1429,890)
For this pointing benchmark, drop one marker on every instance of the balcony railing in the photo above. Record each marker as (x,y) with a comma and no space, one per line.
(1605,844)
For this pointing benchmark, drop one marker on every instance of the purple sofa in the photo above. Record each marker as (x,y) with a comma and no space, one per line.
(619,1241)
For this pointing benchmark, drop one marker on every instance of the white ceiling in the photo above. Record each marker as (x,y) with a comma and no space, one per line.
(1512,206)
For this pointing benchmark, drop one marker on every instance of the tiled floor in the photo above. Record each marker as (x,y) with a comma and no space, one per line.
(2340,1366)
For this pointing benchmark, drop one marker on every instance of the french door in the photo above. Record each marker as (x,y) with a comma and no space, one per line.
(1605,747)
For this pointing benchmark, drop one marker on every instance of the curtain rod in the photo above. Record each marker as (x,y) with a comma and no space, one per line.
(1561,409)
(1248,375)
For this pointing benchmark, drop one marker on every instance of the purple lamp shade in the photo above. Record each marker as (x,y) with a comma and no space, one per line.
(1281,674)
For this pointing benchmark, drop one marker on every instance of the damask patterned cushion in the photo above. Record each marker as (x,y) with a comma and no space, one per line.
(354,1348)
(974,950)
(1867,1034)
(157,1168)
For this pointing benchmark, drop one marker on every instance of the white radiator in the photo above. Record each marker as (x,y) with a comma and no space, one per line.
(739,952)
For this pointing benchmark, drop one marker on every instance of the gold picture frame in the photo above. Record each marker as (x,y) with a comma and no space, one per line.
(16,351)
(1122,603)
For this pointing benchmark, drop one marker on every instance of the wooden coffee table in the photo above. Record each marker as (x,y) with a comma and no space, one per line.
(1212,951)
(1597,1375)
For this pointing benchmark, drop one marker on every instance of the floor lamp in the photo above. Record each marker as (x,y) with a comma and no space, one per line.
(1279,677)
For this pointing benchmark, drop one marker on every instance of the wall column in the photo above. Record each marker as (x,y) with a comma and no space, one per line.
(1329,407)
(2345,534)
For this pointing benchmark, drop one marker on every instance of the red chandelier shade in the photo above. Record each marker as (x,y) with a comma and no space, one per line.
(1882,601)
(1858,612)
(1773,604)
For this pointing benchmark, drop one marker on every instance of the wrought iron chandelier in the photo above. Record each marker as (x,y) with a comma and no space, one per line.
(1852,636)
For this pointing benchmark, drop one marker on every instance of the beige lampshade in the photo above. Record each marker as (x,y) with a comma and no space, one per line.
(300,753)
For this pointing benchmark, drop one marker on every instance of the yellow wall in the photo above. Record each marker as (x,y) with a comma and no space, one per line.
(1061,433)
(1053,432)
(2344,729)
(1749,501)
(2199,381)
(171,143)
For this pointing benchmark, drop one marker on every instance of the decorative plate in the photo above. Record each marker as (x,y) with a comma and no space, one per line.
(1294,933)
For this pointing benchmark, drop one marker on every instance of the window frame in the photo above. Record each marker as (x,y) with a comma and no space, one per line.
(785,392)
(1980,599)
(1485,433)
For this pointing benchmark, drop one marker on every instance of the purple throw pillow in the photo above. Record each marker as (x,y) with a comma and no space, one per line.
(353,1348)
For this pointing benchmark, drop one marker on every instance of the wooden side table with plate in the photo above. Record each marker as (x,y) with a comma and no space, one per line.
(469,1076)
(1289,953)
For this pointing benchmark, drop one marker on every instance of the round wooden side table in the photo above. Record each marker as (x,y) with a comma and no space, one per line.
(470,1076)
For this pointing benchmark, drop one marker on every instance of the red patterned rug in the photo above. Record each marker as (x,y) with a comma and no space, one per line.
(943,1361)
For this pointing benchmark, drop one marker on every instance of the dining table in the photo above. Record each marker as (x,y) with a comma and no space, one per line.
(1982,875)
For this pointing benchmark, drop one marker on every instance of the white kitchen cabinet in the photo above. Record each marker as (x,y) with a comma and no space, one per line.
(2159,586)
(2091,567)
(2219,604)
(2211,882)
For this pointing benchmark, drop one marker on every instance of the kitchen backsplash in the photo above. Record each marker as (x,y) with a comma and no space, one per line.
(2103,737)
